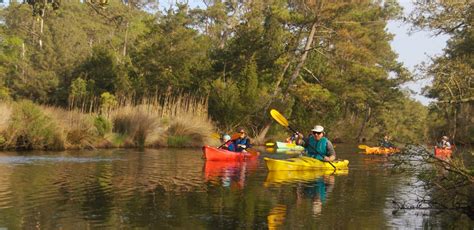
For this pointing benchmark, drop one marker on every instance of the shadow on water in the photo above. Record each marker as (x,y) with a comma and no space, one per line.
(175,188)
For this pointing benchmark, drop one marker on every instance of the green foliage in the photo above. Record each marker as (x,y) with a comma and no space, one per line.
(179,141)
(224,103)
(81,132)
(452,73)
(2,140)
(240,55)
(103,125)
(188,131)
(30,128)
(134,126)
(107,101)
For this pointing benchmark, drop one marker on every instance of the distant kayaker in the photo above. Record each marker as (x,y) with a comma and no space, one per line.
(291,139)
(243,142)
(444,143)
(385,143)
(317,145)
(228,143)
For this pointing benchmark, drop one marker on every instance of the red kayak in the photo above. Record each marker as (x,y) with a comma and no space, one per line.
(215,154)
(443,153)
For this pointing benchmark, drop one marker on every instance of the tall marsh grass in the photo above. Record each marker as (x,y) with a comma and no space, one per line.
(189,131)
(30,128)
(179,121)
(175,121)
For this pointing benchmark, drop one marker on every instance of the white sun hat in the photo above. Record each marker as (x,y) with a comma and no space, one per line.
(226,137)
(318,129)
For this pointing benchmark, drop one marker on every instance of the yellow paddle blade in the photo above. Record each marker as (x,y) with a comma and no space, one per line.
(215,135)
(363,146)
(278,117)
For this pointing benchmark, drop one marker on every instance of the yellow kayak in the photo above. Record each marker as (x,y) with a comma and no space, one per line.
(292,146)
(303,163)
(381,150)
(276,178)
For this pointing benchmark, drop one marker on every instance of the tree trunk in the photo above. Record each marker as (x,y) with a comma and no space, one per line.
(260,138)
(124,52)
(364,123)
(301,62)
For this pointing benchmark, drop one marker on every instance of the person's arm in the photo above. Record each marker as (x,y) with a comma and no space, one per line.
(331,153)
(303,141)
(248,144)
(231,147)
(448,145)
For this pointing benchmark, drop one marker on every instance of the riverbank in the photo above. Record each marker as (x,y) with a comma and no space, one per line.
(180,122)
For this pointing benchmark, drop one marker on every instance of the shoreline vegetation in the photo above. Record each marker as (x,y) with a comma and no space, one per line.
(170,121)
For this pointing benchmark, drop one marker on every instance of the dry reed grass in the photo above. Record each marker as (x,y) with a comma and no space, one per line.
(178,121)
(30,127)
(78,128)
(190,131)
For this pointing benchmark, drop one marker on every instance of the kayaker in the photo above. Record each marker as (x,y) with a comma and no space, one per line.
(444,143)
(243,142)
(317,145)
(291,139)
(385,143)
(228,143)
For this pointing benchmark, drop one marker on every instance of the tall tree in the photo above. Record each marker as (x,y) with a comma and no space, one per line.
(452,72)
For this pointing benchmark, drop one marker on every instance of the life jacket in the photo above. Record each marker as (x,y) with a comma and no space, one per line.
(320,147)
(229,145)
(240,141)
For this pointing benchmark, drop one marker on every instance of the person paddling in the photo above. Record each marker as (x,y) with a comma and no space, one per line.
(228,143)
(444,144)
(317,145)
(243,142)
(385,143)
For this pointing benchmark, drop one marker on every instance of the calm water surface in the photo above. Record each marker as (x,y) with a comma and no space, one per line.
(176,189)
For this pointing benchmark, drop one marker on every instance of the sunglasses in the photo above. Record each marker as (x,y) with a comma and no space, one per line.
(242,132)
(317,133)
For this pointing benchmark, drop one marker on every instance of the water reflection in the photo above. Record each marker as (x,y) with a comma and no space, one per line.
(276,217)
(175,188)
(312,188)
(229,173)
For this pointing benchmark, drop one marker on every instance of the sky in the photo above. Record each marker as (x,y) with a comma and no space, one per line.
(414,49)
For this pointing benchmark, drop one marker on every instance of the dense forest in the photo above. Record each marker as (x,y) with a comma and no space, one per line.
(325,62)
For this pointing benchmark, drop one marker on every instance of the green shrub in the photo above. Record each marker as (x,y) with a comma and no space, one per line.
(81,132)
(30,128)
(103,125)
(189,131)
(2,140)
(135,125)
(179,141)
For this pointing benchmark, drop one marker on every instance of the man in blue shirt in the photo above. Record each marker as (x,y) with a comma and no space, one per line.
(243,142)
(317,145)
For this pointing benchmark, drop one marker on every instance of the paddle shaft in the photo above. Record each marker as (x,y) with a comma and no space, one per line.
(280,119)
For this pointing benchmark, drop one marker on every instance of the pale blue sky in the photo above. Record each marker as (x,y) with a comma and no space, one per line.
(415,48)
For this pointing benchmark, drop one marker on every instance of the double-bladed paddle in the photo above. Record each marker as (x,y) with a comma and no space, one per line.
(234,137)
(280,119)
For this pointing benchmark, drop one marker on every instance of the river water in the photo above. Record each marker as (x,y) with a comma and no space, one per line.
(176,189)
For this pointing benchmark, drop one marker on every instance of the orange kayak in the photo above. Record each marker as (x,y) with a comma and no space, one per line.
(381,150)
(443,153)
(215,154)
